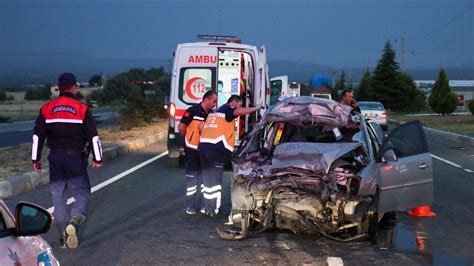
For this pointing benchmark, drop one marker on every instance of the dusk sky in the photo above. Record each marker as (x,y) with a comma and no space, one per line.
(333,32)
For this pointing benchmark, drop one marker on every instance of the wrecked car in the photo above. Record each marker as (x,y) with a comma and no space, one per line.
(313,166)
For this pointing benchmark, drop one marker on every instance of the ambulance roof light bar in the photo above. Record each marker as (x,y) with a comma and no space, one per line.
(219,38)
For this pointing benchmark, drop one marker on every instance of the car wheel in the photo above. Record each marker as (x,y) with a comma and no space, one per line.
(173,161)
(372,217)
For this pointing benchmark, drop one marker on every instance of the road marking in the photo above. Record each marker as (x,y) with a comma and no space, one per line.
(117,177)
(23,130)
(468,170)
(446,161)
(335,261)
(5,148)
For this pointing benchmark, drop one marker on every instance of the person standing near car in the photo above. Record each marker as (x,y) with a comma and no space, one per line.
(348,99)
(190,127)
(216,147)
(69,127)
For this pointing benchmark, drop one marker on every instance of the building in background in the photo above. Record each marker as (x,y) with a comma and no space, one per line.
(463,88)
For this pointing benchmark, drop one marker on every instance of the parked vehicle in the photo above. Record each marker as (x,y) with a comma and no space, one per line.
(280,89)
(20,243)
(375,112)
(322,95)
(223,65)
(311,167)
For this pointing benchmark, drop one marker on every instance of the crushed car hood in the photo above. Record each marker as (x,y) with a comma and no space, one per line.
(316,157)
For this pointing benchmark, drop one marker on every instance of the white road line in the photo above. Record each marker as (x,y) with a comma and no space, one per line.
(117,177)
(446,161)
(23,130)
(468,170)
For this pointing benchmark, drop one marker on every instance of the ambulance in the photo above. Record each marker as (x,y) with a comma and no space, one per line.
(222,64)
(280,88)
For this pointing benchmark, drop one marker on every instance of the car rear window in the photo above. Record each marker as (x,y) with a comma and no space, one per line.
(371,106)
(194,82)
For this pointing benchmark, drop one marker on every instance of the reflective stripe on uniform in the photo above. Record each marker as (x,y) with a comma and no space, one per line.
(217,140)
(63,120)
(190,193)
(192,188)
(211,189)
(191,146)
(97,148)
(215,195)
(198,118)
(34,148)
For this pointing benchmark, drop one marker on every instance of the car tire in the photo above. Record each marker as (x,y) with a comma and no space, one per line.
(173,161)
(373,217)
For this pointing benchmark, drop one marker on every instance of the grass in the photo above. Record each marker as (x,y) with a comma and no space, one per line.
(459,124)
(16,160)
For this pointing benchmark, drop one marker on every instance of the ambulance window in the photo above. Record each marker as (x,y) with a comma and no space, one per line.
(275,91)
(194,82)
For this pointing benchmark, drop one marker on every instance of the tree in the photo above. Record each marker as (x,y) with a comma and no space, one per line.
(364,91)
(305,90)
(442,100)
(386,86)
(45,92)
(95,80)
(3,96)
(79,95)
(32,95)
(340,85)
(470,105)
(414,99)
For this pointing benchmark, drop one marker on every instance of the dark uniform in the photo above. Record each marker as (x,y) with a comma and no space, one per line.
(192,118)
(216,148)
(69,127)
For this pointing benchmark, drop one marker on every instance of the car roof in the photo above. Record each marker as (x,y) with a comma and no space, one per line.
(313,110)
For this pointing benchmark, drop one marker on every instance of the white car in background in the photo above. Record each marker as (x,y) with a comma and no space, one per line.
(20,243)
(375,112)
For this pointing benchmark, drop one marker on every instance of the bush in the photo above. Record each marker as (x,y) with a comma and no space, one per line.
(4,119)
(32,95)
(3,96)
(79,95)
(470,105)
(11,98)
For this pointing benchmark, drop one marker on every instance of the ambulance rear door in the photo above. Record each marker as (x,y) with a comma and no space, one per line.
(262,93)
(196,73)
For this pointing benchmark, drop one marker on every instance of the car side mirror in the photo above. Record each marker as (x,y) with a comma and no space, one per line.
(389,156)
(31,219)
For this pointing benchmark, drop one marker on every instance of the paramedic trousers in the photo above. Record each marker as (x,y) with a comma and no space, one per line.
(212,163)
(193,172)
(68,172)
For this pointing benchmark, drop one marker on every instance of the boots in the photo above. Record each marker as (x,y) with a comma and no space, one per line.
(72,240)
(62,239)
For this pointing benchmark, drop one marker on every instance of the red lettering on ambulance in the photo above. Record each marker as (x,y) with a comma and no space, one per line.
(202,59)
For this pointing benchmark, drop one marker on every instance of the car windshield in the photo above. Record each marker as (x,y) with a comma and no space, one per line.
(371,106)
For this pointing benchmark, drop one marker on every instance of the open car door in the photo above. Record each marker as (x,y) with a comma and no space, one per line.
(405,169)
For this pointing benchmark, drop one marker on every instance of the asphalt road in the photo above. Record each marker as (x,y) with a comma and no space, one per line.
(21,132)
(139,219)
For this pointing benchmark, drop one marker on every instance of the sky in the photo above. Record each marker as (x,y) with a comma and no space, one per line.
(338,33)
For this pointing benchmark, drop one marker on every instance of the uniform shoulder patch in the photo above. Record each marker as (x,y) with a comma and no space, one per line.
(186,114)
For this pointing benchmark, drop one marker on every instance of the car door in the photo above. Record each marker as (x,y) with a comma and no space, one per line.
(406,180)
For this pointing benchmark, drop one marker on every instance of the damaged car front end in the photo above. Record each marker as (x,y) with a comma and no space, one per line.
(309,166)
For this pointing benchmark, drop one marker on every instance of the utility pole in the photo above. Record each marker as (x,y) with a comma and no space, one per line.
(333,74)
(403,51)
(368,62)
